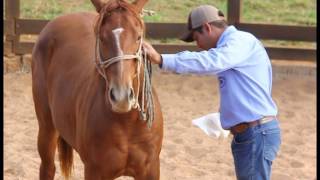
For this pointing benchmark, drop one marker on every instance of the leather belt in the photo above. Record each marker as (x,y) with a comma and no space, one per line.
(239,128)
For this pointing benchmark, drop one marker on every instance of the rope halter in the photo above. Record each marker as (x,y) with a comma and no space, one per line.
(140,56)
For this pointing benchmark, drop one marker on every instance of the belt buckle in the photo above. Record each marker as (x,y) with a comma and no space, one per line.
(242,127)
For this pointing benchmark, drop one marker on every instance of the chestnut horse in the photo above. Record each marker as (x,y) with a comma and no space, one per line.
(92,93)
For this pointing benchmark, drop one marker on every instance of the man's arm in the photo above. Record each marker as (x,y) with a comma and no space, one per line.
(152,54)
(215,60)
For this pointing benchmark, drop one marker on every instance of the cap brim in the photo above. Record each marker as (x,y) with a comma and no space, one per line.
(187,36)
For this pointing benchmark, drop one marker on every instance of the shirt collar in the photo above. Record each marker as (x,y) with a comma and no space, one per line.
(229,30)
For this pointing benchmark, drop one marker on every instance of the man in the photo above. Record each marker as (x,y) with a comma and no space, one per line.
(243,68)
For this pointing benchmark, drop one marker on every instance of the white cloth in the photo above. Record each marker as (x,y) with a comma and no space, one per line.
(211,125)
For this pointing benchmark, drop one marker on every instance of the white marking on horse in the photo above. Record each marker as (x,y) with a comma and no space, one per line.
(117,32)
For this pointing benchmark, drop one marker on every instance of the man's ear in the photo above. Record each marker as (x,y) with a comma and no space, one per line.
(207,27)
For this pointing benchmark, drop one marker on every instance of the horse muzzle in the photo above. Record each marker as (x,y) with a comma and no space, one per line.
(122,99)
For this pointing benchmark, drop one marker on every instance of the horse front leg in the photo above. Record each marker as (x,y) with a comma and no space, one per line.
(150,173)
(91,173)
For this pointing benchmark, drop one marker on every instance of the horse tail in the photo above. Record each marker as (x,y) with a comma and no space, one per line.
(65,157)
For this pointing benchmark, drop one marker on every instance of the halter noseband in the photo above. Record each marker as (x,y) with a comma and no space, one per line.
(108,62)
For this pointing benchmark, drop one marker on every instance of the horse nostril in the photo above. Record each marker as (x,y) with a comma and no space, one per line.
(131,93)
(112,97)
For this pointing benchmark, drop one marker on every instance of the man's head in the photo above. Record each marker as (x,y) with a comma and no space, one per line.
(205,25)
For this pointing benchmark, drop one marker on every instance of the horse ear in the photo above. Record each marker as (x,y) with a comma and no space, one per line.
(139,4)
(98,4)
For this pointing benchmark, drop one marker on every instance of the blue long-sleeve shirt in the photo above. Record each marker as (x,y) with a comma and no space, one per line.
(244,71)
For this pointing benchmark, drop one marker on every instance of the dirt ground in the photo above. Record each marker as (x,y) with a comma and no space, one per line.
(187,153)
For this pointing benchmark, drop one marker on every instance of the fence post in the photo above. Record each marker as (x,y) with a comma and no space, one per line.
(12,12)
(234,11)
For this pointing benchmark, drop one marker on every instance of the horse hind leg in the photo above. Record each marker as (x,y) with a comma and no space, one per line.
(47,142)
(47,134)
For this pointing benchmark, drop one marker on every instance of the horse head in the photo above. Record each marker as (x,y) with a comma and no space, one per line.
(119,32)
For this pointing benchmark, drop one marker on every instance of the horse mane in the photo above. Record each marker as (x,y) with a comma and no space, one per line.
(112,5)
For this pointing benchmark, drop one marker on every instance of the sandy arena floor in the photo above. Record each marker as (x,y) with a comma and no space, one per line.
(187,152)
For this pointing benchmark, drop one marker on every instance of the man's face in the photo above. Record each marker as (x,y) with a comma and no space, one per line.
(204,39)
(201,40)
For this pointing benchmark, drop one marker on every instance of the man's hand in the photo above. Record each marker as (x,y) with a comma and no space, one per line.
(152,54)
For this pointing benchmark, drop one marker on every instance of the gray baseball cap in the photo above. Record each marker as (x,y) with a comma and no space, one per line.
(197,17)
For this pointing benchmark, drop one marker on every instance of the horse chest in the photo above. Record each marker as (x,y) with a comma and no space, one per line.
(120,155)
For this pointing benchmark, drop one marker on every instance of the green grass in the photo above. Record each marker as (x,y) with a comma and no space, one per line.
(49,9)
(177,10)
(290,12)
(166,10)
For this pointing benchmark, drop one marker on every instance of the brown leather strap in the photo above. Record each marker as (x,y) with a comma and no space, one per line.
(243,126)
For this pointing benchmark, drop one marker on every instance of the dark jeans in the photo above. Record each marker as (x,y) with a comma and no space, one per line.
(254,150)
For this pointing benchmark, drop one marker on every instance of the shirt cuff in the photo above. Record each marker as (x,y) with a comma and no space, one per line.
(168,62)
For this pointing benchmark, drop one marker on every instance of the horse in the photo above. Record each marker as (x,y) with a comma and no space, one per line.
(92,92)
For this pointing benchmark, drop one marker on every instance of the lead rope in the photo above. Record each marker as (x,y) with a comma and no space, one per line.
(147,110)
(150,105)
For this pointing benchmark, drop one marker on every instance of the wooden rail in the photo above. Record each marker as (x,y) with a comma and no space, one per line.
(14,27)
(173,30)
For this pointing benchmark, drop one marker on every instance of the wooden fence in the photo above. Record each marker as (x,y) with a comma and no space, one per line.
(14,27)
